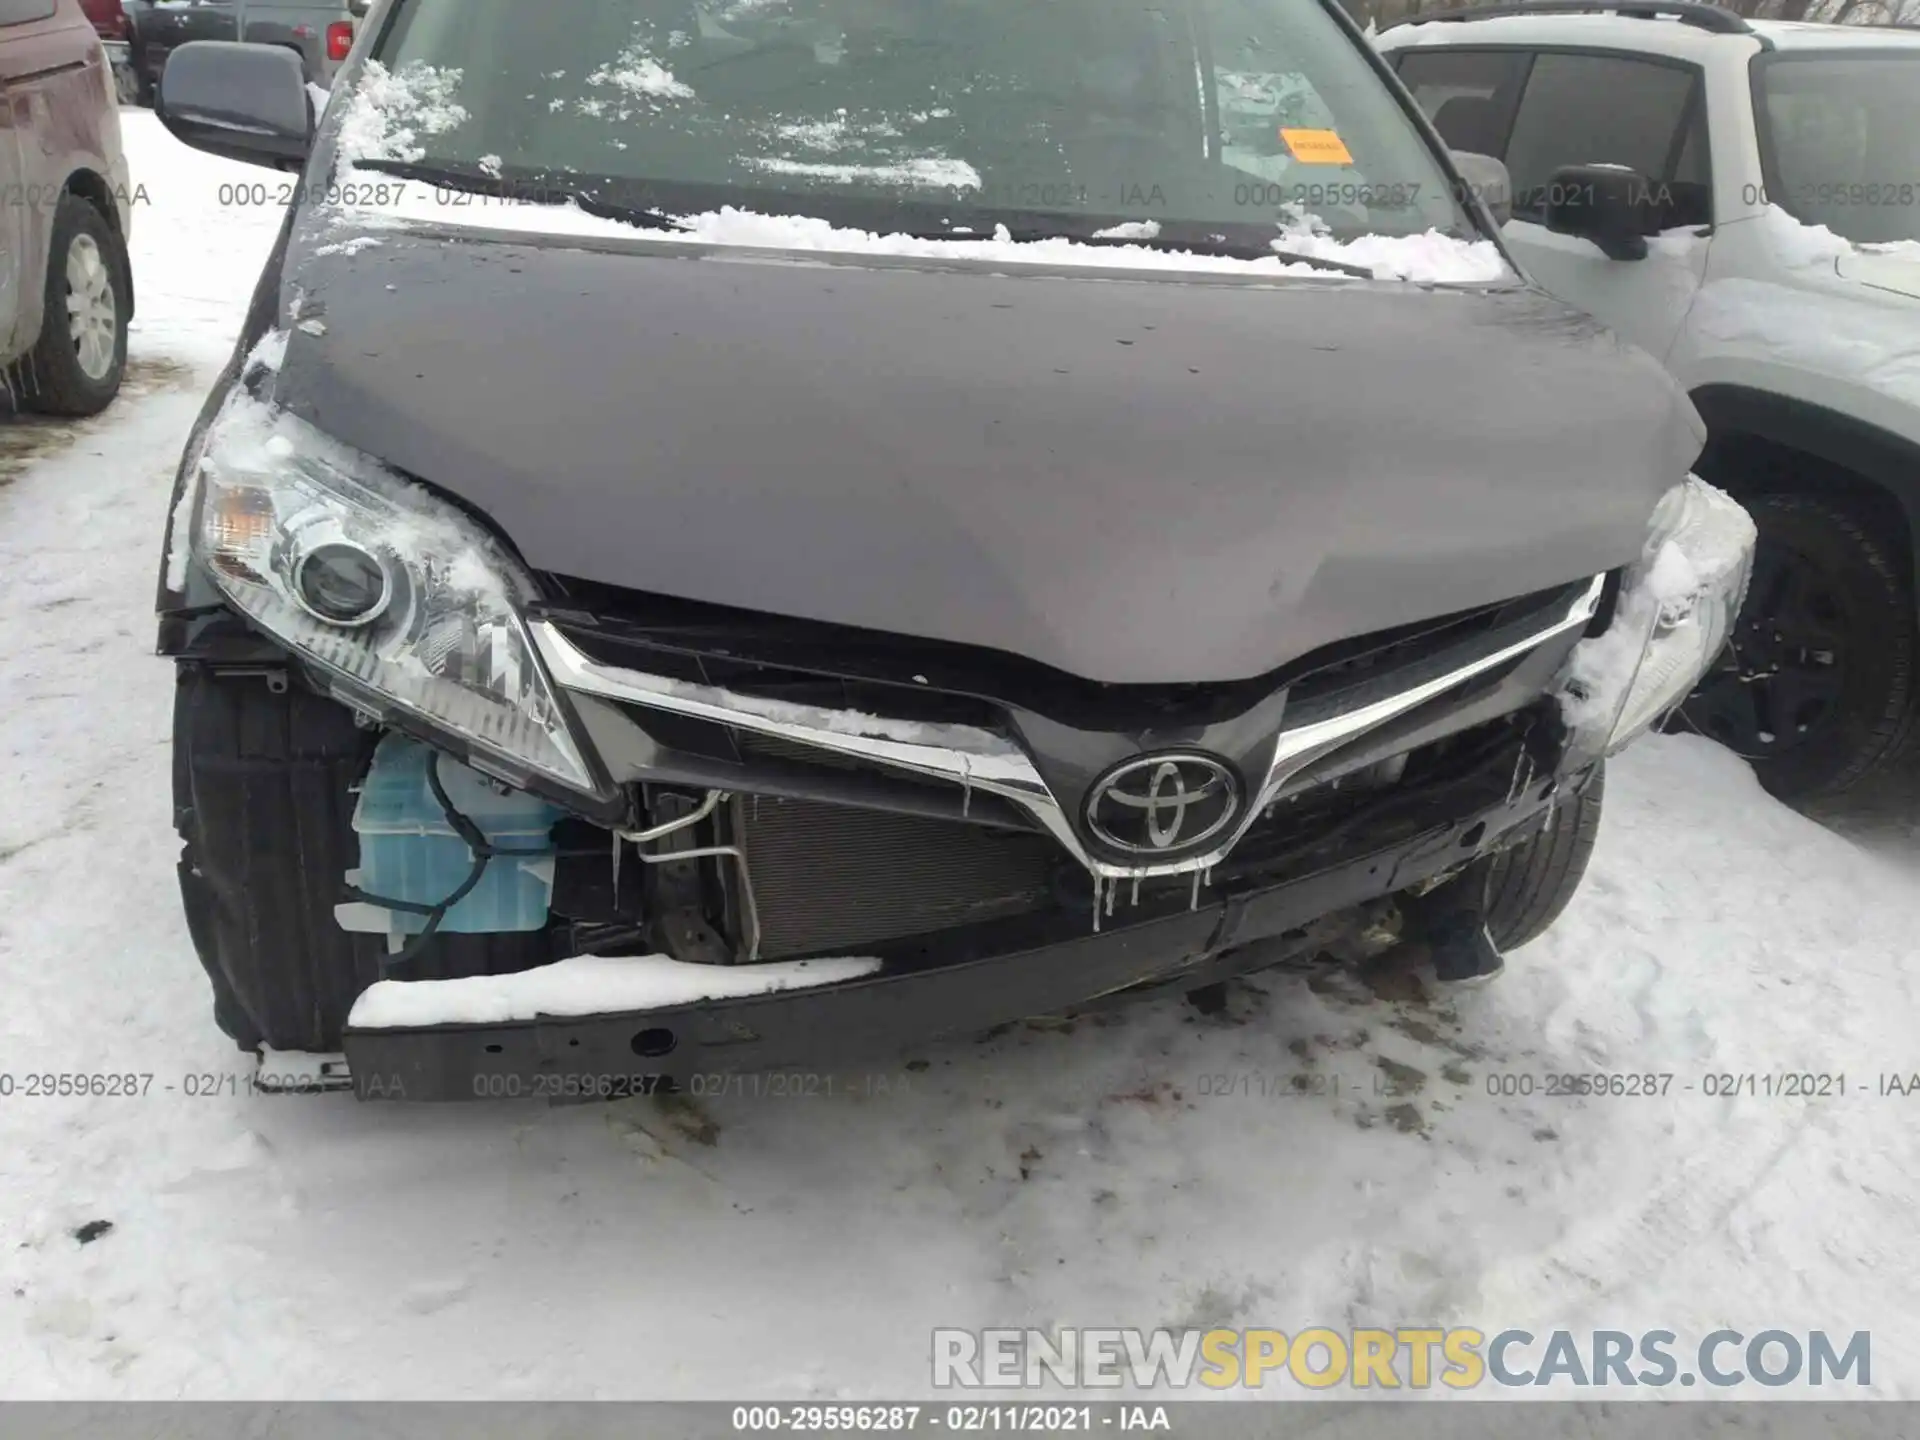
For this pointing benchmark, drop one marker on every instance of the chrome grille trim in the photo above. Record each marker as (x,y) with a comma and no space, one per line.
(978,759)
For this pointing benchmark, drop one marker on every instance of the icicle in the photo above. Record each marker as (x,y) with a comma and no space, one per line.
(1113,891)
(1096,904)
(966,785)
(1514,785)
(1136,890)
(616,870)
(1194,902)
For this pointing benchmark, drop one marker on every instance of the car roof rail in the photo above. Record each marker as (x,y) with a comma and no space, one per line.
(1687,12)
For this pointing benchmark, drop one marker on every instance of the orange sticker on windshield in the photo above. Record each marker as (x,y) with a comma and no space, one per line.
(1315,147)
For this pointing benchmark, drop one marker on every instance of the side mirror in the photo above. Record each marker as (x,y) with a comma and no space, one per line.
(1488,181)
(245,102)
(1608,204)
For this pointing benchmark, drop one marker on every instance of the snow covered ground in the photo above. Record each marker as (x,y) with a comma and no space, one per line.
(307,1247)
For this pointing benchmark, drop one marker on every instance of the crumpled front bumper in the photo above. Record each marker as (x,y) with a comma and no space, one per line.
(1673,616)
(906,1003)
(1669,615)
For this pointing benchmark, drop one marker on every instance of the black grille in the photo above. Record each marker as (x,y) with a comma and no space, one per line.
(832,878)
(907,678)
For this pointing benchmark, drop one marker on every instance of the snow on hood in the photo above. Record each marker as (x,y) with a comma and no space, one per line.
(270,351)
(1874,343)
(585,985)
(1798,244)
(1819,330)
(1885,267)
(350,247)
(1431,258)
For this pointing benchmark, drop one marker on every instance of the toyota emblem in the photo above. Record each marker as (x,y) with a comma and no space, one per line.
(1163,803)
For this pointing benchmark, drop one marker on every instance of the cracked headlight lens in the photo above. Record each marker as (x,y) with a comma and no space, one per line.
(401,598)
(1676,609)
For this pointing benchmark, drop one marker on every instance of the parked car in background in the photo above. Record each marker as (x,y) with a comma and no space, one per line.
(320,33)
(66,288)
(948,542)
(157,30)
(110,23)
(1742,199)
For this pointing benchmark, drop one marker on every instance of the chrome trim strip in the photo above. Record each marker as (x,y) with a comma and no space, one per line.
(1297,749)
(978,759)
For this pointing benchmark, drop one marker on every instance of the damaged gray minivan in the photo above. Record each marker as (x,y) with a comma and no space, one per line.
(746,533)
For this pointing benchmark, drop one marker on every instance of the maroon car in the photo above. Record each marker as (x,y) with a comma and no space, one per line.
(66,289)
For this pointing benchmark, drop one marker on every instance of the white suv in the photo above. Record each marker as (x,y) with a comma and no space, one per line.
(1742,199)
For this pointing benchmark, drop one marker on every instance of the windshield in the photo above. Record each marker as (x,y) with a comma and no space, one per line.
(1219,118)
(1842,137)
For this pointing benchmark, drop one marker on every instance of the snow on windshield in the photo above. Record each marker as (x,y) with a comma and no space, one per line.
(1065,119)
(638,74)
(390,112)
(1059,123)
(937,173)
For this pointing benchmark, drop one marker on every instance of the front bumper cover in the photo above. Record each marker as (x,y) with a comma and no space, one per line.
(907,1003)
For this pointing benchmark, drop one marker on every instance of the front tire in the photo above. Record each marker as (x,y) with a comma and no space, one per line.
(1530,884)
(76,366)
(1817,687)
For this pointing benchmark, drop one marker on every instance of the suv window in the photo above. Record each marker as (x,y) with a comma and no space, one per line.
(1468,94)
(1612,110)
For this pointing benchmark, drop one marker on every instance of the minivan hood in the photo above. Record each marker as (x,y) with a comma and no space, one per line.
(1135,479)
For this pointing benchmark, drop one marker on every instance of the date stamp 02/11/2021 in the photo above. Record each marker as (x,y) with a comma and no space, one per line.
(1382,1080)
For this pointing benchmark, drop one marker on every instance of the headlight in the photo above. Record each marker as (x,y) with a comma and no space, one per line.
(1676,609)
(395,593)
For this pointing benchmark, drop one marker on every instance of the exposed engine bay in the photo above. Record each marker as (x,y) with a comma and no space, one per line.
(850,853)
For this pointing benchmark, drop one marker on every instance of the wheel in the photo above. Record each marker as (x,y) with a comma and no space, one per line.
(262,800)
(75,367)
(1529,885)
(1817,686)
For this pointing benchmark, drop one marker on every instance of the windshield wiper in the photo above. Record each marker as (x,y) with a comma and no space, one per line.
(1237,250)
(534,189)
(1211,245)
(543,188)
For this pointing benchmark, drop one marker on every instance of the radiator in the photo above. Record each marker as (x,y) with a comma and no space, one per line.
(831,878)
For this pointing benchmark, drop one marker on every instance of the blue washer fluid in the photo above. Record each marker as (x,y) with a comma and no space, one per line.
(408,851)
